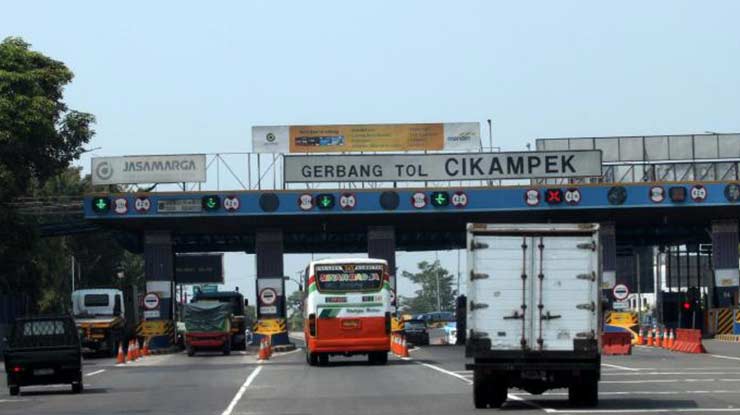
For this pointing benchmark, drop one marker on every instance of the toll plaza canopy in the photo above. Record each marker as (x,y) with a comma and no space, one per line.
(423,219)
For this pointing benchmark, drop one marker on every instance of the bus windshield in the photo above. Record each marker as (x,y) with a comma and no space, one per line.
(349,277)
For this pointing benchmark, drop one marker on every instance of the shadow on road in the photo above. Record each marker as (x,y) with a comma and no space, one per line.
(46,392)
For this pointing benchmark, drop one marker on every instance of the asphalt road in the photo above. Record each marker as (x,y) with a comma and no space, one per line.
(432,381)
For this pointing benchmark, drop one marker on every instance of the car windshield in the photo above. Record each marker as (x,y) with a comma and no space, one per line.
(414,325)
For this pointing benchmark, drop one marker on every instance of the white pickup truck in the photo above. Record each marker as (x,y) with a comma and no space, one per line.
(533,310)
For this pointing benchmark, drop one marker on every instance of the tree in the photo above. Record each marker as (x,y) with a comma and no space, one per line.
(433,279)
(294,304)
(39,137)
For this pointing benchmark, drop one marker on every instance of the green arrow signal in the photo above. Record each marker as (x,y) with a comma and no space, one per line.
(440,199)
(211,203)
(325,201)
(101,204)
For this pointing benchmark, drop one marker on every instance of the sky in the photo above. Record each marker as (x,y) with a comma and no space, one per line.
(181,77)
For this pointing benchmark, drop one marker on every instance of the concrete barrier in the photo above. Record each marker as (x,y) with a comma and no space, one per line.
(688,341)
(616,343)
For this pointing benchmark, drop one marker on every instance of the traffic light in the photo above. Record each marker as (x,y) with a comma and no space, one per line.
(686,305)
(440,199)
(100,204)
(554,196)
(211,203)
(325,201)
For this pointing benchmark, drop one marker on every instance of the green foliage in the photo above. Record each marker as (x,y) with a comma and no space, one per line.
(429,277)
(39,137)
(294,303)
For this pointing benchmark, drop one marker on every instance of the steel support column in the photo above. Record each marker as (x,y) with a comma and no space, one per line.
(381,244)
(159,273)
(725,261)
(608,261)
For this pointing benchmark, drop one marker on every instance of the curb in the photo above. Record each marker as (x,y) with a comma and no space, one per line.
(734,338)
(168,350)
(284,348)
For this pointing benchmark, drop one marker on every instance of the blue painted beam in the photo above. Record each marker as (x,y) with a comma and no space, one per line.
(503,199)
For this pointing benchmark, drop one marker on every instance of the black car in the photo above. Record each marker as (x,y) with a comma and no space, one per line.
(415,332)
(43,351)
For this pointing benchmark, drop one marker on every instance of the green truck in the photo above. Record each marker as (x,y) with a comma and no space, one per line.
(207,327)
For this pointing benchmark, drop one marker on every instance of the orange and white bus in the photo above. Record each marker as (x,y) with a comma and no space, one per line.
(347,309)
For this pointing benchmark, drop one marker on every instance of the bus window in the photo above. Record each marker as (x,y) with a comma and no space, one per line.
(349,277)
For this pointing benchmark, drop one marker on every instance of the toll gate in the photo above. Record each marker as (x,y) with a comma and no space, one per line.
(663,201)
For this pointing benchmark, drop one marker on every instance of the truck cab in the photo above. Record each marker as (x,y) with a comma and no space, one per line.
(237,305)
(100,317)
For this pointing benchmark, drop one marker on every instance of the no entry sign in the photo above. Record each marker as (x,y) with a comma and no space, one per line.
(621,292)
(268,296)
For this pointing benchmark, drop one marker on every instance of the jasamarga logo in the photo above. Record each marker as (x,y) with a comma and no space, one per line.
(153,166)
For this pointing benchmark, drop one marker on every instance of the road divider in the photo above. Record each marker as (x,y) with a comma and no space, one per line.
(688,341)
(619,343)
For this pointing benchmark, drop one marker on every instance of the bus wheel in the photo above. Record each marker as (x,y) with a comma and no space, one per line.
(377,358)
(312,358)
(323,359)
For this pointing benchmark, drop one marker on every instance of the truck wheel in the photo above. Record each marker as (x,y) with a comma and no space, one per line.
(585,392)
(312,358)
(14,390)
(381,358)
(227,348)
(323,359)
(77,385)
(487,391)
(190,350)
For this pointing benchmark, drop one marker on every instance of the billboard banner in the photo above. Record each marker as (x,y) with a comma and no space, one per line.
(173,168)
(199,268)
(463,136)
(441,167)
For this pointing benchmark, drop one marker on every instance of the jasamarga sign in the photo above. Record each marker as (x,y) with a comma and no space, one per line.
(457,136)
(176,168)
(442,167)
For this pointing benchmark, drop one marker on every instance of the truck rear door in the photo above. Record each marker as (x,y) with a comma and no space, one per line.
(533,288)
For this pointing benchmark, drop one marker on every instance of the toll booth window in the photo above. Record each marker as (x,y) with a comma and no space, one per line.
(349,277)
(97,300)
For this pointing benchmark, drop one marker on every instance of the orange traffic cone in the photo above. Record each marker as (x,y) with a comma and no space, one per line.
(639,339)
(658,339)
(650,340)
(264,355)
(671,339)
(145,349)
(404,347)
(130,351)
(121,358)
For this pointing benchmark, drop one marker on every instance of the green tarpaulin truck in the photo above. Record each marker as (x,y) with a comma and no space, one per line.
(207,327)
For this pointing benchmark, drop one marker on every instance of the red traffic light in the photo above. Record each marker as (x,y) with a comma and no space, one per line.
(686,305)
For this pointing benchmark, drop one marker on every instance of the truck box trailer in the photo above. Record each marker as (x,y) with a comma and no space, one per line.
(533,310)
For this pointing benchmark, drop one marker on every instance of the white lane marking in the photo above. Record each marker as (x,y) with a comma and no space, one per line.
(719,356)
(470,382)
(241,391)
(620,367)
(13,400)
(97,372)
(439,369)
(464,372)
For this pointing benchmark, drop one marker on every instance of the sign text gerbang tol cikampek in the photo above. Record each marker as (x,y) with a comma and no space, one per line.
(442,167)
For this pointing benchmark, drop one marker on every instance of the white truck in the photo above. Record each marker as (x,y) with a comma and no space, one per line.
(533,310)
(100,317)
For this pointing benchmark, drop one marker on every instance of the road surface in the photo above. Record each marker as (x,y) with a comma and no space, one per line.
(432,381)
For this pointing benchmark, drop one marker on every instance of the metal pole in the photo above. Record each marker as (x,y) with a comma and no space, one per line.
(439,303)
(259,172)
(639,289)
(249,170)
(73,272)
(458,272)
